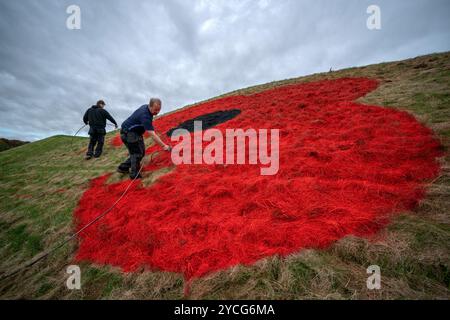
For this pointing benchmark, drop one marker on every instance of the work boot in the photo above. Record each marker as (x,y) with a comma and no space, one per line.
(121,169)
(135,177)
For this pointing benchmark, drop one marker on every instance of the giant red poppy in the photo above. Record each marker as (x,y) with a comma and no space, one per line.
(345,169)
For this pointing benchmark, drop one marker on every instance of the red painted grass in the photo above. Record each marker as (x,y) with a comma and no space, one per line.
(345,168)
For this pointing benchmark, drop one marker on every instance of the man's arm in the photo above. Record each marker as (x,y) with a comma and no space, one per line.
(110,118)
(85,117)
(159,141)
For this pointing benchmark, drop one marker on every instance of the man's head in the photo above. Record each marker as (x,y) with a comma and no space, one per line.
(155,106)
(101,103)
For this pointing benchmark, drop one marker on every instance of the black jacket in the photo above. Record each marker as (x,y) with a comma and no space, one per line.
(96,117)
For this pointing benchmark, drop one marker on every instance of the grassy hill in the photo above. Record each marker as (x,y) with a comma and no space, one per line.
(41,183)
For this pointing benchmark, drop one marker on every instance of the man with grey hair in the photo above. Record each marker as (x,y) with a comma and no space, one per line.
(132,132)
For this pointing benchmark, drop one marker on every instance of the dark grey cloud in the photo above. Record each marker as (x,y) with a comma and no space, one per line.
(186,51)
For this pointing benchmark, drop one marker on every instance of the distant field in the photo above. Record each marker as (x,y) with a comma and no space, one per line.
(6,144)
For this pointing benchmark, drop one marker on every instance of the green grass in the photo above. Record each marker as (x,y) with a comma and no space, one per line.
(42,182)
(18,238)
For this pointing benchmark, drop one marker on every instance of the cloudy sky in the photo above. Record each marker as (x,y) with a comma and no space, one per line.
(185,51)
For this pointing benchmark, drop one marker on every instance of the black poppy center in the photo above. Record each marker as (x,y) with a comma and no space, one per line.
(208,120)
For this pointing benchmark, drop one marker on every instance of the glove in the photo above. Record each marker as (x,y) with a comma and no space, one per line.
(167,148)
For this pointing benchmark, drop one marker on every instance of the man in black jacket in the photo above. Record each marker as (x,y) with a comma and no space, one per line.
(96,117)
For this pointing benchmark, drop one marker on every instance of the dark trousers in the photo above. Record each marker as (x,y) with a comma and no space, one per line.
(97,140)
(136,151)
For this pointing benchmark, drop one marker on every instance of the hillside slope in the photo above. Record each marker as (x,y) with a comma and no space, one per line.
(42,182)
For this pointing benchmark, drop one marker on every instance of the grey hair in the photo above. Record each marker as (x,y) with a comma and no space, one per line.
(153,101)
